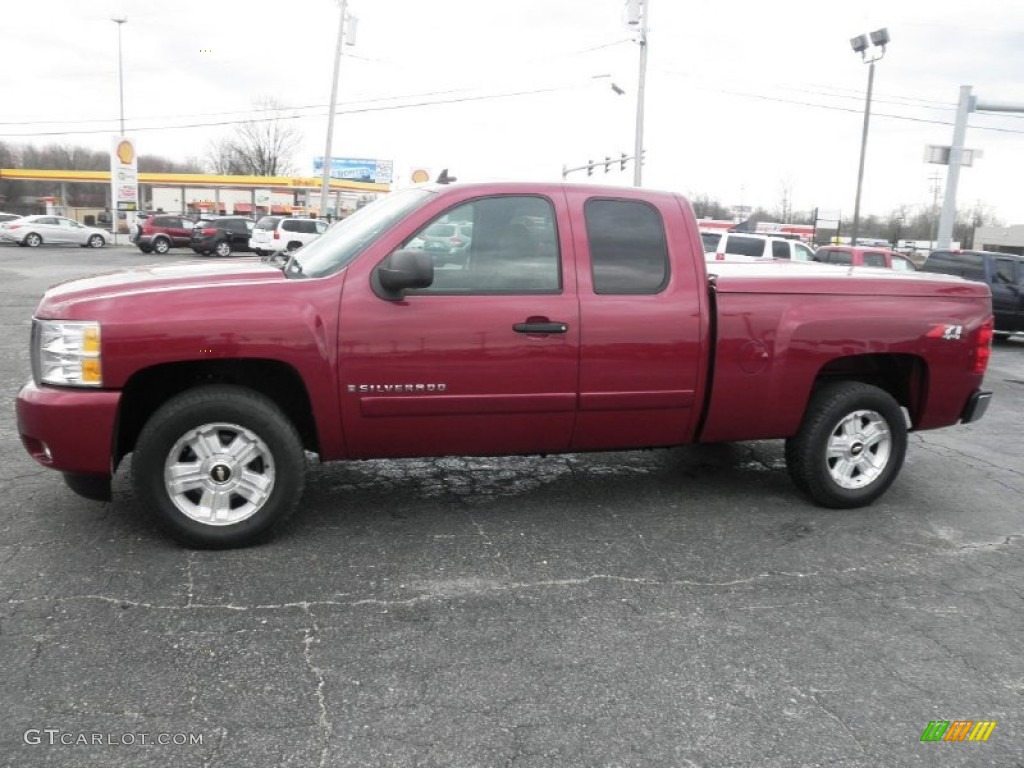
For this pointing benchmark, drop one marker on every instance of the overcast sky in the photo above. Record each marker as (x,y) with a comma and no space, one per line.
(743,99)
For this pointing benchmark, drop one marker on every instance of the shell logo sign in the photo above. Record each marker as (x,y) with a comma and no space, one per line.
(419,176)
(125,152)
(124,174)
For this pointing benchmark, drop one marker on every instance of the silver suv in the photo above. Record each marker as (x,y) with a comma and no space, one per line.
(281,233)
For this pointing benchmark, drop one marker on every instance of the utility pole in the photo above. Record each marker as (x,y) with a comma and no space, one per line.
(120,68)
(935,189)
(638,13)
(326,183)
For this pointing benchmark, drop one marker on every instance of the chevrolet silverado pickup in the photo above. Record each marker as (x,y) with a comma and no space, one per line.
(582,318)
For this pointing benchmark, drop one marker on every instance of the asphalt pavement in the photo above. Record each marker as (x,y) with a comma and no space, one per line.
(668,608)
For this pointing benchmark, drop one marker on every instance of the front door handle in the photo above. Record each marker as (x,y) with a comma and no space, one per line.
(541,327)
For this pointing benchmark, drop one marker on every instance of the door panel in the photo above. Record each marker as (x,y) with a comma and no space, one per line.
(643,333)
(485,361)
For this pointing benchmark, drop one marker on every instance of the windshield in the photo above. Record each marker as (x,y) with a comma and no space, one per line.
(346,239)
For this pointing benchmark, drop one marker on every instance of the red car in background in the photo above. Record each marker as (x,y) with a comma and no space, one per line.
(864,256)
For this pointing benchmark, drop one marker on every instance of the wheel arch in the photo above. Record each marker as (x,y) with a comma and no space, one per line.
(150,388)
(904,376)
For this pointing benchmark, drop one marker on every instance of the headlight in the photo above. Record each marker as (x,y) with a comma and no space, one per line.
(66,353)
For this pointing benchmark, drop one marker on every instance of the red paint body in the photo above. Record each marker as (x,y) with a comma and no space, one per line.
(691,363)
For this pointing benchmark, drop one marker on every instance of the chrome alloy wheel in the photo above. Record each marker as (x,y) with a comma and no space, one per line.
(858,449)
(219,474)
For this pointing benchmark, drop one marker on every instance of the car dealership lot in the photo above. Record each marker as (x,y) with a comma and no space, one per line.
(677,608)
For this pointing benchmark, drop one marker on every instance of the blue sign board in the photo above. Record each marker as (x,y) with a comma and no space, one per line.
(356,169)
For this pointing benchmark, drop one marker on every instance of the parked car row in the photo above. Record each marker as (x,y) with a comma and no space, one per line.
(743,246)
(1002,272)
(223,235)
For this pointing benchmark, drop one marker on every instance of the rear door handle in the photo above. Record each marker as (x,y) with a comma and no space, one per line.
(541,327)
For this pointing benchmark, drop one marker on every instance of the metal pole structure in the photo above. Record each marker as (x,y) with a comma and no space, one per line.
(863,152)
(956,155)
(638,146)
(325,186)
(120,68)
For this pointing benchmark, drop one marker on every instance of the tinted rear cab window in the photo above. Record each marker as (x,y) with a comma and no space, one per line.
(628,249)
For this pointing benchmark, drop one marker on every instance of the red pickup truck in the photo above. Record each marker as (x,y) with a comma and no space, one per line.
(579,318)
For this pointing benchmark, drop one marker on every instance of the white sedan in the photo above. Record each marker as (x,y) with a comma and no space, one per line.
(36,230)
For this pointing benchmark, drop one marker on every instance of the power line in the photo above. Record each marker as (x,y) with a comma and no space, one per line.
(250,110)
(482,97)
(907,118)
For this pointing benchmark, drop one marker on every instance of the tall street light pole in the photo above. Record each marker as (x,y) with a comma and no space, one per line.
(326,184)
(638,11)
(120,68)
(879,38)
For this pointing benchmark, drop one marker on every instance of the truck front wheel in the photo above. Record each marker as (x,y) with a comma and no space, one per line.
(850,446)
(219,466)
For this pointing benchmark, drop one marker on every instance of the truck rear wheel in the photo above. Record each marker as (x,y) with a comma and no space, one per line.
(850,446)
(219,466)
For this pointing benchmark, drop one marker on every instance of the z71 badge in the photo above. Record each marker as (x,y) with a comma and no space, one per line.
(946,332)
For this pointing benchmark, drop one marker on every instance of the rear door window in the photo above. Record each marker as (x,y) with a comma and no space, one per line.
(780,250)
(839,257)
(874,259)
(628,249)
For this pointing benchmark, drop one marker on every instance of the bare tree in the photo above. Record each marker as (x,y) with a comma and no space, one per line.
(258,147)
(784,212)
(706,208)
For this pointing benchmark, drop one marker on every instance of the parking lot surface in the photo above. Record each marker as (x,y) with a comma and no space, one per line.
(669,608)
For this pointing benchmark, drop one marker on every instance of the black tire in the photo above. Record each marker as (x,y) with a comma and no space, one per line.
(862,471)
(293,246)
(161,245)
(229,413)
(223,248)
(96,241)
(33,240)
(146,249)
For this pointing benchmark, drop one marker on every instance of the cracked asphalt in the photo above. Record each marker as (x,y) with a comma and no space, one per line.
(675,608)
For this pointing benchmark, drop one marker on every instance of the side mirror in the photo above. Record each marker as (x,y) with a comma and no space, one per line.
(403,271)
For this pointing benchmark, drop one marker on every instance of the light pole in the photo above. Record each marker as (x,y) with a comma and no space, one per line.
(120,68)
(326,183)
(879,39)
(637,12)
